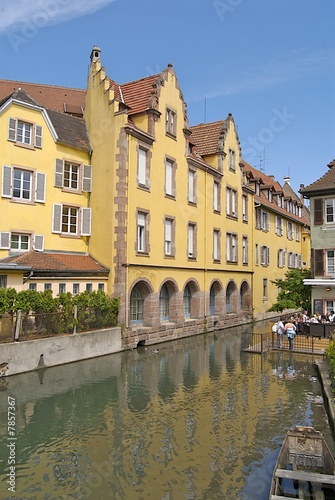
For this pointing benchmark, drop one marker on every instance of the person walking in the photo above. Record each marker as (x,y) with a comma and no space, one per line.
(290,330)
(280,333)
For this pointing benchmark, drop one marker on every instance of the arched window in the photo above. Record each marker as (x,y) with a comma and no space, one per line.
(187,301)
(212,301)
(136,305)
(228,294)
(164,303)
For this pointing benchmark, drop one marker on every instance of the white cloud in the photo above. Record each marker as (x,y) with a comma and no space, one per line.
(278,70)
(21,15)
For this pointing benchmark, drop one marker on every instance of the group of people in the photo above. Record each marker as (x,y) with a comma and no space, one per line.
(288,328)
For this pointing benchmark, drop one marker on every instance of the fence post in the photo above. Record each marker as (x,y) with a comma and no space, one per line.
(75,315)
(17,325)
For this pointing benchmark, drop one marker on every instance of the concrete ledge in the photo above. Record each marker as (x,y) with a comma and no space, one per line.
(21,357)
(323,369)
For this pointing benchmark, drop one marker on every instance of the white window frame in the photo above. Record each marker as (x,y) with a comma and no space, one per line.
(84,183)
(37,184)
(83,220)
(330,262)
(231,208)
(216,245)
(141,232)
(231,247)
(192,196)
(245,250)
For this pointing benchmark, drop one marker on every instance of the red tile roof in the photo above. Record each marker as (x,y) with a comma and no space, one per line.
(49,96)
(136,94)
(64,263)
(205,136)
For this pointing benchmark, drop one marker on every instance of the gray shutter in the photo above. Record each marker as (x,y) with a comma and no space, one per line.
(86,215)
(87,178)
(12,129)
(6,182)
(39,242)
(59,169)
(38,136)
(40,187)
(57,218)
(5,241)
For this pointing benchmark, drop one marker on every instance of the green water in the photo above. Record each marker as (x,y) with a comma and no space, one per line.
(199,419)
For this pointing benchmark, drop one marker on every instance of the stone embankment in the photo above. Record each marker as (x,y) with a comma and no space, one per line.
(324,372)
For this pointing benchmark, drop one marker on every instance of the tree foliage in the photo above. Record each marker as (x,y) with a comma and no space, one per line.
(293,294)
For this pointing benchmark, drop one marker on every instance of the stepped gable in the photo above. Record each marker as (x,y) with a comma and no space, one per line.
(326,182)
(206,137)
(62,99)
(65,263)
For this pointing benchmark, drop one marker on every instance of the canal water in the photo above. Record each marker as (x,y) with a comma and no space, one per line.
(196,418)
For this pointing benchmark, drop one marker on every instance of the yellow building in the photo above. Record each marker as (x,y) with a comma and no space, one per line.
(280,235)
(45,218)
(166,216)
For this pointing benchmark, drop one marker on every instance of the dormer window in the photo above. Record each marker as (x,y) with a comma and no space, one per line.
(24,133)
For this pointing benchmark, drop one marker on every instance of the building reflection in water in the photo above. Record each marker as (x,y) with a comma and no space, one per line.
(197,418)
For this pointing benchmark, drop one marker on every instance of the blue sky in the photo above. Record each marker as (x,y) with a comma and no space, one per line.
(270,63)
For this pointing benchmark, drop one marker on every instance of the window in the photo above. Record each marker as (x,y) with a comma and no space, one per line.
(232,160)
(32,287)
(231,247)
(72,176)
(187,299)
(169,237)
(75,289)
(289,230)
(24,133)
(256,255)
(216,245)
(170,177)
(231,202)
(23,185)
(279,226)
(71,220)
(191,241)
(142,167)
(164,303)
(3,281)
(330,306)
(330,262)
(170,124)
(281,257)
(47,286)
(244,250)
(265,288)
(136,305)
(89,287)
(265,255)
(244,208)
(101,287)
(62,288)
(216,196)
(19,241)
(141,232)
(192,198)
(262,220)
(297,233)
(330,203)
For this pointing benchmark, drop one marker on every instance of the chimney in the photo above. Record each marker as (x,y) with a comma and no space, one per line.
(287,179)
(95,54)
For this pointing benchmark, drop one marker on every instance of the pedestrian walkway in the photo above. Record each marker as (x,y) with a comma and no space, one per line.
(302,344)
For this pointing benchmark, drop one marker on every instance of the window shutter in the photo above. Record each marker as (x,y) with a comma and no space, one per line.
(40,187)
(57,218)
(5,241)
(39,242)
(86,214)
(59,169)
(12,129)
(87,178)
(318,211)
(318,262)
(38,136)
(6,182)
